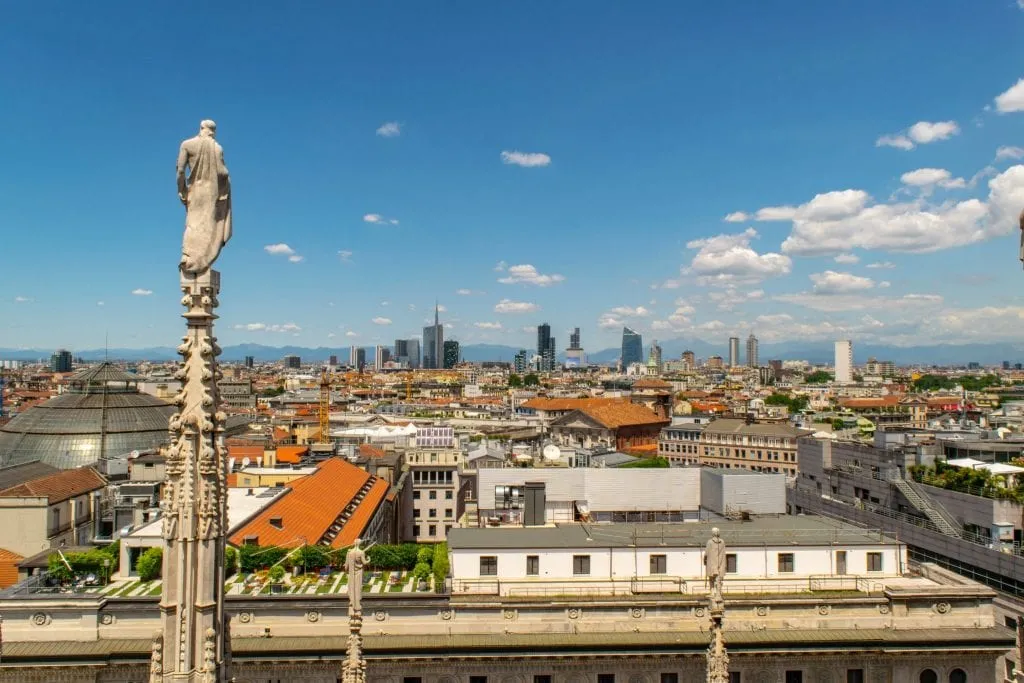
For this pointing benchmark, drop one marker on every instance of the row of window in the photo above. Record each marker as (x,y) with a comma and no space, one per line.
(742,453)
(432,476)
(432,513)
(786,563)
(430,528)
(791,676)
(432,495)
(749,441)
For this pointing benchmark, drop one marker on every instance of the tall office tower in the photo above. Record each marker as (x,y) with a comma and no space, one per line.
(353,357)
(332,360)
(574,354)
(250,362)
(776,366)
(734,351)
(414,353)
(844,361)
(689,360)
(715,363)
(752,361)
(574,339)
(632,348)
(433,343)
(61,361)
(654,360)
(380,356)
(451,354)
(293,362)
(545,348)
(521,361)
(360,358)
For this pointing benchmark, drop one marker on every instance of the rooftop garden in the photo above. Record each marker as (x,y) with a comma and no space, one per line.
(967,480)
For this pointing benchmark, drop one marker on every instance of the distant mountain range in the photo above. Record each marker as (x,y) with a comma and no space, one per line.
(815,352)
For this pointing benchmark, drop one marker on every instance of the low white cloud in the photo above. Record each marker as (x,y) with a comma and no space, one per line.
(847,258)
(921,133)
(295,258)
(331,335)
(488,326)
(526,159)
(139,291)
(350,333)
(381,321)
(608,321)
(526,274)
(887,265)
(264,327)
(345,256)
(926,177)
(667,284)
(22,299)
(279,249)
(729,298)
(509,306)
(500,267)
(729,259)
(832,282)
(1009,151)
(1012,99)
(391,129)
(737,217)
(825,206)
(101,303)
(859,302)
(631,312)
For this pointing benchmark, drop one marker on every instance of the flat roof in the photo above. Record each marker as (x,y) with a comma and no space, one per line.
(781,530)
(241,506)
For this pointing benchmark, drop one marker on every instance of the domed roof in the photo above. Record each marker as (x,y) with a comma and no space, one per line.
(102,414)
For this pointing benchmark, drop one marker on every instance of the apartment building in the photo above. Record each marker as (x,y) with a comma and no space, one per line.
(434,463)
(742,443)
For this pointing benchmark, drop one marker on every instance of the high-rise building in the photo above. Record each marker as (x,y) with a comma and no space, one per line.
(381,355)
(61,361)
(632,348)
(433,343)
(689,360)
(844,361)
(332,360)
(574,354)
(776,366)
(407,352)
(574,339)
(451,354)
(654,359)
(521,362)
(752,361)
(545,348)
(292,362)
(734,351)
(715,363)
(250,362)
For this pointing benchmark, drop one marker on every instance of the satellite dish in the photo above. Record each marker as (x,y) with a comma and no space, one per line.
(231,464)
(551,452)
(134,454)
(245,462)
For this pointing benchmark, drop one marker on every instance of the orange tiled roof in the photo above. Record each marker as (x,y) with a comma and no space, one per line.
(59,486)
(614,414)
(651,383)
(239,452)
(312,504)
(565,403)
(878,402)
(291,455)
(370,451)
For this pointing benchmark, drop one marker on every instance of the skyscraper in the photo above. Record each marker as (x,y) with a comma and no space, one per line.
(654,360)
(574,354)
(545,347)
(844,361)
(451,354)
(381,355)
(752,361)
(332,360)
(407,352)
(250,361)
(689,360)
(521,361)
(734,351)
(632,348)
(433,343)
(61,361)
(292,362)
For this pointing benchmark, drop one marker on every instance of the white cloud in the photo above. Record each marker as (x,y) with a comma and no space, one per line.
(831,282)
(263,327)
(345,256)
(100,303)
(464,292)
(729,259)
(847,258)
(373,218)
(825,206)
(1012,99)
(488,326)
(295,258)
(526,159)
(22,299)
(278,249)
(887,265)
(500,266)
(509,306)
(737,217)
(926,177)
(884,284)
(609,321)
(350,333)
(1010,152)
(139,291)
(331,335)
(859,302)
(381,321)
(385,303)
(527,274)
(922,133)
(668,284)
(391,129)
(630,312)
(729,298)
(915,226)
(775,213)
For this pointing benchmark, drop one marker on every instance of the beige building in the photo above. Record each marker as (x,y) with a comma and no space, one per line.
(739,443)
(259,477)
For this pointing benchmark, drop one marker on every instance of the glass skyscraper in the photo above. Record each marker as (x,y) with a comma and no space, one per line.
(632,347)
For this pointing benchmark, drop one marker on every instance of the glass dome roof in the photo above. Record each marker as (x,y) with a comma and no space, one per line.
(102,414)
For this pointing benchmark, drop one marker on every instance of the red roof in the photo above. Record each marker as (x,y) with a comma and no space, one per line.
(312,504)
(59,486)
(291,455)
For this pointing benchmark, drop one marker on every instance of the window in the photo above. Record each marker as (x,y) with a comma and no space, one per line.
(928,676)
(447,495)
(605,678)
(734,677)
(581,567)
(432,495)
(432,530)
(794,677)
(416,494)
(1010,622)
(669,678)
(874,562)
(412,679)
(841,562)
(488,565)
(478,679)
(447,513)
(432,513)
(730,563)
(786,567)
(855,676)
(416,530)
(659,564)
(957,676)
(533,565)
(416,514)
(542,679)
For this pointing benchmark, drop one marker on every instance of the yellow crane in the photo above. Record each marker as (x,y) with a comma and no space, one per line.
(325,406)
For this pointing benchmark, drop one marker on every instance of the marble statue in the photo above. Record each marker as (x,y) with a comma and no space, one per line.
(714,562)
(355,560)
(206,194)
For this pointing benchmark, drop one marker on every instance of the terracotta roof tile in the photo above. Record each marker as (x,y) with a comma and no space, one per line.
(313,503)
(291,455)
(370,451)
(60,486)
(614,414)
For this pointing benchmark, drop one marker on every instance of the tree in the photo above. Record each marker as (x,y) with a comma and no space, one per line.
(440,564)
(425,555)
(150,563)
(515,381)
(230,561)
(276,574)
(819,377)
(531,380)
(421,571)
(838,423)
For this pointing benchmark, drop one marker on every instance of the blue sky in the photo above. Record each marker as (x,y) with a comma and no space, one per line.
(586,154)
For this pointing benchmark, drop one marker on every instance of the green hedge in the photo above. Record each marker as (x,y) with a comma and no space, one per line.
(150,563)
(440,564)
(89,562)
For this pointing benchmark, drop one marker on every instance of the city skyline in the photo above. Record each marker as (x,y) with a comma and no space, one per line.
(904,233)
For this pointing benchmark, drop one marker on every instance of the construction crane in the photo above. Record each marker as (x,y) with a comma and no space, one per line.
(325,406)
